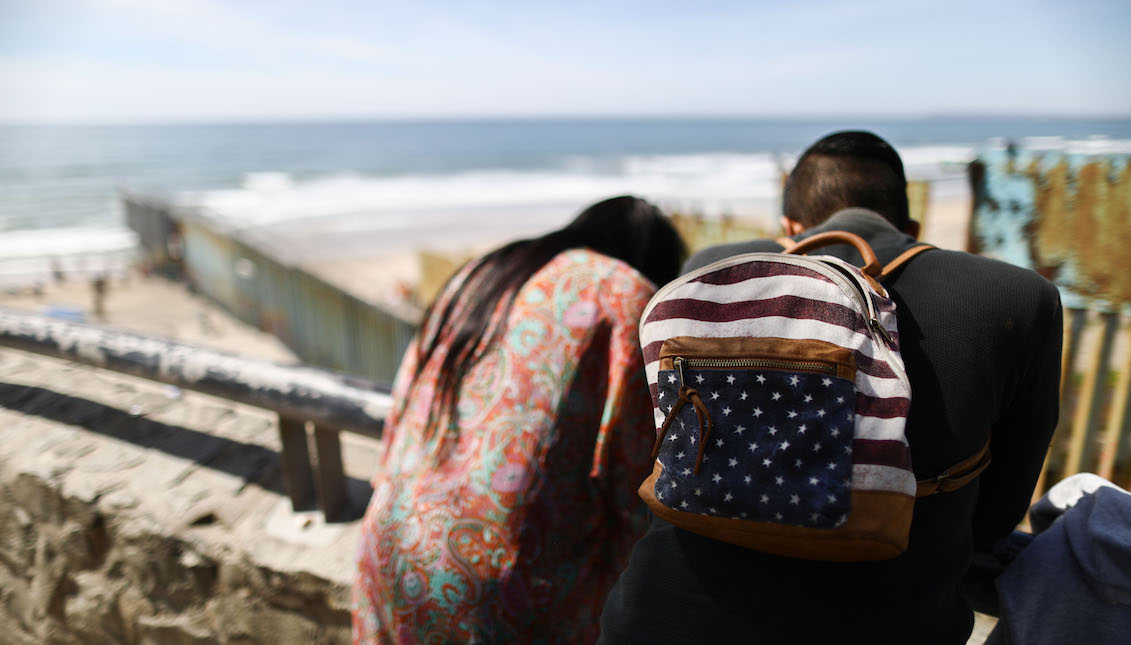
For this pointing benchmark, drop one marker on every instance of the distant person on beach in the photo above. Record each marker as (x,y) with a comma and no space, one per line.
(505,503)
(981,343)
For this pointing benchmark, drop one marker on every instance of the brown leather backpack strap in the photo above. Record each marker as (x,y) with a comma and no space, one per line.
(786,243)
(902,259)
(871,262)
(957,475)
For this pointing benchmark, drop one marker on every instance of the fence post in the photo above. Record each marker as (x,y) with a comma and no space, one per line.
(1088,401)
(295,461)
(1117,419)
(331,475)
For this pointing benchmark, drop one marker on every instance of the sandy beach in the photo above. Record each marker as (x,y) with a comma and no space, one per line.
(150,305)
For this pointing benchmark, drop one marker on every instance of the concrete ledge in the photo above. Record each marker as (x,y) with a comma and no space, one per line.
(132,512)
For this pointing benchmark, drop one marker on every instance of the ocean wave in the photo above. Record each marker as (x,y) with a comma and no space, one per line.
(710,183)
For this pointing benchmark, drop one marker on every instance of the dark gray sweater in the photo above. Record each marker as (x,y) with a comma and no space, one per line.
(981,341)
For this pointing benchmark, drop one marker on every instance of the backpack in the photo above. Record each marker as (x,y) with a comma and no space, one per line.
(781,402)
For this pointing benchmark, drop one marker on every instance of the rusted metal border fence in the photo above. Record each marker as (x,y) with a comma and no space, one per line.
(328,401)
(242,271)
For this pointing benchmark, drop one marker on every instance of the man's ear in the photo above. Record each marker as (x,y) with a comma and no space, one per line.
(791,227)
(912,228)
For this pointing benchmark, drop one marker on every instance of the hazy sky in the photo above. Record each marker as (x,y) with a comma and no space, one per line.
(162,60)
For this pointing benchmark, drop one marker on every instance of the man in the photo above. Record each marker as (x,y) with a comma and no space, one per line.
(981,342)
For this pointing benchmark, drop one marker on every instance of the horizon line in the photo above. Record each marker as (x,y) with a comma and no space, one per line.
(596,117)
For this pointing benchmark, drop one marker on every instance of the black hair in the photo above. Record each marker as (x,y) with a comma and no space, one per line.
(627,228)
(843,170)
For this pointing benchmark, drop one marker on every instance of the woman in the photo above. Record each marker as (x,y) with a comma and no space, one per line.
(505,505)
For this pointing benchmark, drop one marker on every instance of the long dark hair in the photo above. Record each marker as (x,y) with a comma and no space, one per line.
(627,228)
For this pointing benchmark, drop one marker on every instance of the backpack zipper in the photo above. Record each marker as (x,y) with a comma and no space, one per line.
(769,363)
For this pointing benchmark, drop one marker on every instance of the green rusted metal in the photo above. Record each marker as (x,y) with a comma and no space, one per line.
(1067,216)
(321,323)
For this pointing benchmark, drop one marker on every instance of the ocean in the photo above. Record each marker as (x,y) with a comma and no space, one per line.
(59,185)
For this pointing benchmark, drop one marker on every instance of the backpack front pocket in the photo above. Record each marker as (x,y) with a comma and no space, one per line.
(757,429)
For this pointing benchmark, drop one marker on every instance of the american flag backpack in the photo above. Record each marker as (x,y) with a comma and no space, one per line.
(780,401)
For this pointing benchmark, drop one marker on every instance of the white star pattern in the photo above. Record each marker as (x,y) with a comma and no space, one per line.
(799,398)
